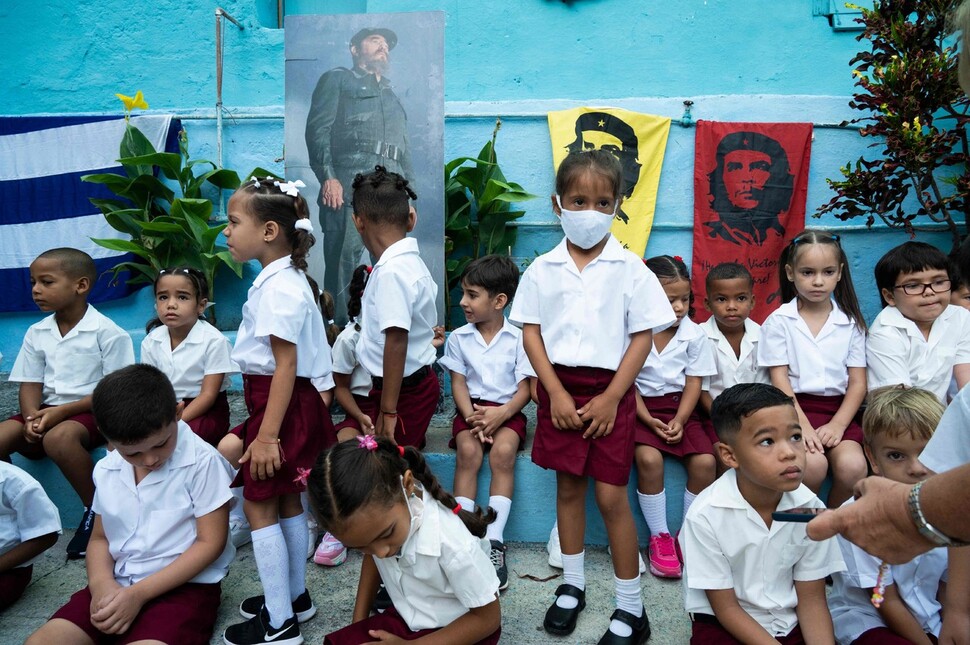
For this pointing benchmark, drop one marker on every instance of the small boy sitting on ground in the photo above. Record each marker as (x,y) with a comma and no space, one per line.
(749,578)
(160,547)
(897,424)
(62,358)
(919,339)
(490,385)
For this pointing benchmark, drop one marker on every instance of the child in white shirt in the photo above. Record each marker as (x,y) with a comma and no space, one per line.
(352,381)
(490,385)
(919,339)
(897,424)
(383,499)
(160,544)
(668,388)
(61,361)
(747,576)
(193,354)
(29,525)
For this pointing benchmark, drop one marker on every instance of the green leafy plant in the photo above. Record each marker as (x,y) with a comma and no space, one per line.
(166,227)
(907,80)
(478,209)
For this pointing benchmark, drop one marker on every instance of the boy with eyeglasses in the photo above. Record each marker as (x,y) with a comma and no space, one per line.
(919,339)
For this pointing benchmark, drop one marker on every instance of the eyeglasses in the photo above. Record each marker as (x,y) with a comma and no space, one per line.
(919,288)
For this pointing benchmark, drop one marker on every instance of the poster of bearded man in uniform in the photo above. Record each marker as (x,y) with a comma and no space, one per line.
(365,90)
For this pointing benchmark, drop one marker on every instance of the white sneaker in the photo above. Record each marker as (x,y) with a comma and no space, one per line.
(552,546)
(239,531)
(643,565)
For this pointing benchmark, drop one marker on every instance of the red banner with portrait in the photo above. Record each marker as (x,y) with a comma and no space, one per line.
(750,185)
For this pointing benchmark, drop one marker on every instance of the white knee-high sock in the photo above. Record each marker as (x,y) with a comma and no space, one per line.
(689,498)
(269,548)
(502,506)
(295,533)
(654,509)
(573,573)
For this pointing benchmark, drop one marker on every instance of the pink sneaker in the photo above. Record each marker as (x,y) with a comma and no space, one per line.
(331,552)
(663,557)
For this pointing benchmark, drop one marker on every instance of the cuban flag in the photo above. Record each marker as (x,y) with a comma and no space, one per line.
(45,205)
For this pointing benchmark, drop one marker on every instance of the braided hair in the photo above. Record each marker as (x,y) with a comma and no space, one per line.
(268,203)
(358,280)
(350,476)
(382,197)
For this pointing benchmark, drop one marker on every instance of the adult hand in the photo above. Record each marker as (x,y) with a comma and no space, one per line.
(332,193)
(878,521)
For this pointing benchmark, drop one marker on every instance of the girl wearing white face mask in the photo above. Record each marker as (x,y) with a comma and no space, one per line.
(381,498)
(588,309)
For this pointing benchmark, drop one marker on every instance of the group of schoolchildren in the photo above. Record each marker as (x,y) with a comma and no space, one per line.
(602,341)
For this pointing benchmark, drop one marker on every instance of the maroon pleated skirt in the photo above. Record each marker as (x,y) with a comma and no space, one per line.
(821,409)
(694,441)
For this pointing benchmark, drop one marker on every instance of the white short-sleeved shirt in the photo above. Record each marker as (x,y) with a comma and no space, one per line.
(689,353)
(149,525)
(586,318)
(917,581)
(71,366)
(25,510)
(493,370)
(726,545)
(280,303)
(816,364)
(731,368)
(399,293)
(442,570)
(897,353)
(345,360)
(949,447)
(204,351)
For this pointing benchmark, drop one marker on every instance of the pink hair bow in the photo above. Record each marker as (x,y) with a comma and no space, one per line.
(368,442)
(302,474)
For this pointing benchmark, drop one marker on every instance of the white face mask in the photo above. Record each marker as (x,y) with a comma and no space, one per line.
(415,504)
(585,228)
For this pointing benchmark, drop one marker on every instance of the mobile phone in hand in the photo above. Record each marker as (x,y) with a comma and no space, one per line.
(797,514)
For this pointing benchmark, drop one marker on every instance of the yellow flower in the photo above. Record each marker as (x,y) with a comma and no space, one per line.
(131,103)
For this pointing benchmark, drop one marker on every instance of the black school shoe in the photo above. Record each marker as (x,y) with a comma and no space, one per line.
(303,607)
(639,624)
(257,630)
(77,548)
(497,556)
(560,621)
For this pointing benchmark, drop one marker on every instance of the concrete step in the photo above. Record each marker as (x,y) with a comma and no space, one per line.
(523,604)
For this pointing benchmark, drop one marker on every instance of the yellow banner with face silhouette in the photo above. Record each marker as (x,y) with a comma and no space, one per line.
(638,141)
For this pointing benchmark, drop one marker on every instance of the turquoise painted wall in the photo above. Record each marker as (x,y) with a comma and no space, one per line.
(757,60)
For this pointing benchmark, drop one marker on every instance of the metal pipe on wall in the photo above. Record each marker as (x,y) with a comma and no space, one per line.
(220,28)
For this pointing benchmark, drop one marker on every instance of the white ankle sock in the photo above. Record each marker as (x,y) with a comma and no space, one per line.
(573,573)
(502,505)
(654,509)
(295,533)
(628,599)
(689,498)
(269,549)
(466,503)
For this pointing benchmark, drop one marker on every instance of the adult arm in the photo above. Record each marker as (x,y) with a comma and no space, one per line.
(956,600)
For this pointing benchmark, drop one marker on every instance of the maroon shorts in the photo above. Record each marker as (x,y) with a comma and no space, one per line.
(415,407)
(516,423)
(213,424)
(12,584)
(367,406)
(706,630)
(695,440)
(885,636)
(86,419)
(305,432)
(821,409)
(390,621)
(185,615)
(607,459)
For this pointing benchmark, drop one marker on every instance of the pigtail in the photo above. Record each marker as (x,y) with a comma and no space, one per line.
(358,280)
(476,521)
(787,286)
(671,268)
(329,309)
(279,201)
(845,294)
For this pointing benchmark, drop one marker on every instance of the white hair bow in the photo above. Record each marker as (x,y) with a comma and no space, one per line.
(303,224)
(255,181)
(291,188)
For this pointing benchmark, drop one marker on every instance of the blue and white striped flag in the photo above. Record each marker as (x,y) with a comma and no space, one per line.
(45,205)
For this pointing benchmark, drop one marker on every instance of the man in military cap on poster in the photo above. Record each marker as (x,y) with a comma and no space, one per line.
(355,122)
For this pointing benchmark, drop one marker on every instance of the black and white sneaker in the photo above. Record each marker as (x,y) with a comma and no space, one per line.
(77,548)
(257,630)
(303,607)
(497,556)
